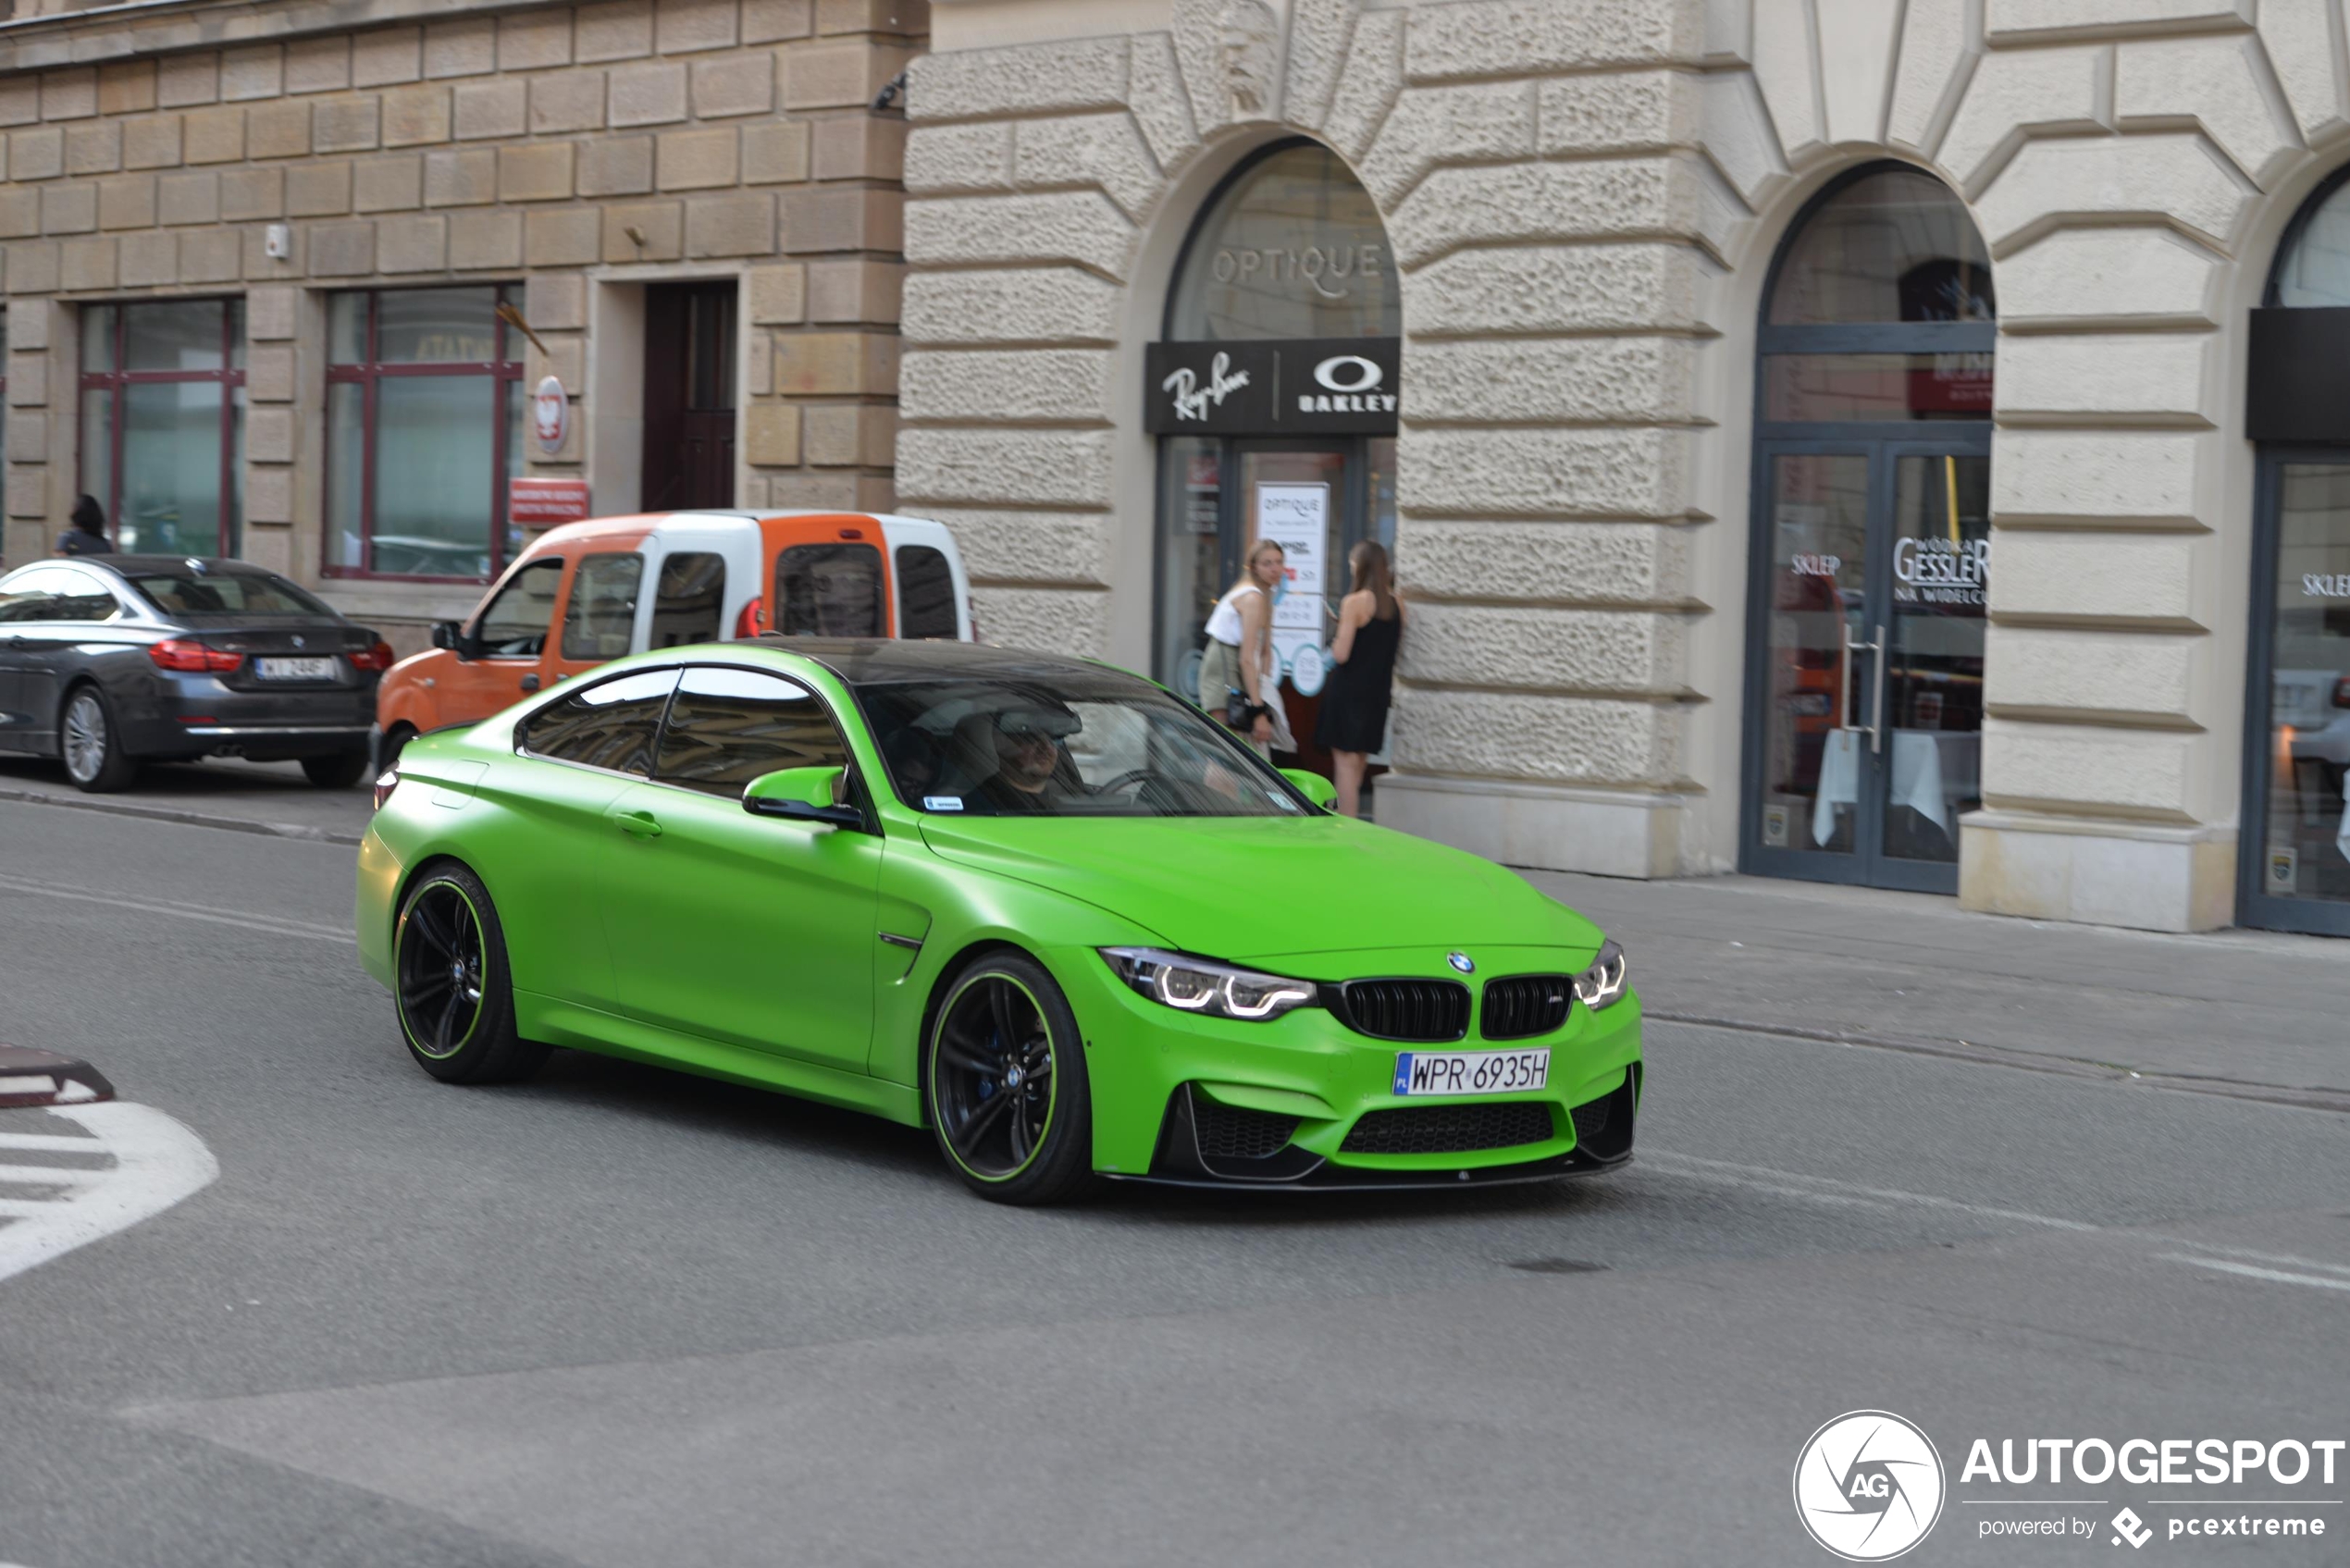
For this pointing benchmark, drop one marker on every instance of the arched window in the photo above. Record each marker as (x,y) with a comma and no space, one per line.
(1273,391)
(2294,864)
(1291,247)
(1871,542)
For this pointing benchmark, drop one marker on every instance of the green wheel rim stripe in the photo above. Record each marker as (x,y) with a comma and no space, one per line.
(410,989)
(941,1105)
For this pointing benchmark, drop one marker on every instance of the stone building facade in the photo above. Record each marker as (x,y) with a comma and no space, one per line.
(1585,199)
(573,161)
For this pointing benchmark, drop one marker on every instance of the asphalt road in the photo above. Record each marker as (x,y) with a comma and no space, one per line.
(621,1316)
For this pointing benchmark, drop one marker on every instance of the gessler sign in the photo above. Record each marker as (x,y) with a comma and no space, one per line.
(1292,387)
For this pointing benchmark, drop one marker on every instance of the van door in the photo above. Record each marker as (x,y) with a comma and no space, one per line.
(600,613)
(508,638)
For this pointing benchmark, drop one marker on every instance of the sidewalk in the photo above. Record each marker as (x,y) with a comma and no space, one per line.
(2252,1013)
(270,797)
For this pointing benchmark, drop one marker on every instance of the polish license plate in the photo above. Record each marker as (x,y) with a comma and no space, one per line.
(298,669)
(1430,1073)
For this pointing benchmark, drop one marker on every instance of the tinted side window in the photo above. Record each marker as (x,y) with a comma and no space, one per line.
(32,596)
(602,612)
(514,627)
(688,599)
(830,591)
(83,597)
(729,726)
(925,593)
(610,724)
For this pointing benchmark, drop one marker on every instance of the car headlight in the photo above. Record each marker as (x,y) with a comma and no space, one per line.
(1601,985)
(1202,985)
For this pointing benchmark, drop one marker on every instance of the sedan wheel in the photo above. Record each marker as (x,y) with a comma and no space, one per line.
(455,997)
(1008,1088)
(86,740)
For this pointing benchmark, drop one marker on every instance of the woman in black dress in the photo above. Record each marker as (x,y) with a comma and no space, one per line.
(1353,718)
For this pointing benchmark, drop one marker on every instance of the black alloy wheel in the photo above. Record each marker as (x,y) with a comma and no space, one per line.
(1007,1084)
(455,997)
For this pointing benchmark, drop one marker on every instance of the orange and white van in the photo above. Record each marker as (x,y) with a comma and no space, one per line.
(586,592)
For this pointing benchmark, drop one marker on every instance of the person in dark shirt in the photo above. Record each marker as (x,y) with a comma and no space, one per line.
(88,535)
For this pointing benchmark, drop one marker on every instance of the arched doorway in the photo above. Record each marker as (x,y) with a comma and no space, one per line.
(2294,862)
(1273,397)
(1872,539)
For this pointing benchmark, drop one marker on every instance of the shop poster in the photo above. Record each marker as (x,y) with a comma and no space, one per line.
(1297,518)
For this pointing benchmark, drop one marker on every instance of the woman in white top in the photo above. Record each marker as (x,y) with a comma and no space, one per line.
(1240,645)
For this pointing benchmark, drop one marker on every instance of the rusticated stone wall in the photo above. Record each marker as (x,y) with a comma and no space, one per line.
(402,143)
(1583,197)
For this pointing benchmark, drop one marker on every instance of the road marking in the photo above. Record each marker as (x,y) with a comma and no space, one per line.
(157,1163)
(2251,1272)
(269,924)
(2286,1258)
(1834,1194)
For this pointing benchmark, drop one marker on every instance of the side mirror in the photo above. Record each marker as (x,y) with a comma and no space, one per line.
(451,634)
(1315,787)
(806,795)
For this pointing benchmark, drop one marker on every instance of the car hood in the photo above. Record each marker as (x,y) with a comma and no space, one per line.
(1247,888)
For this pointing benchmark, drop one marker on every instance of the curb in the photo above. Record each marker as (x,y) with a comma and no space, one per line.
(184,819)
(2306,1097)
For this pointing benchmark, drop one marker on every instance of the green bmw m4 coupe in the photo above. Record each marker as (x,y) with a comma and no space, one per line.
(1040,906)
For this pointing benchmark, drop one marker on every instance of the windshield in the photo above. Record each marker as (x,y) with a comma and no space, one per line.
(223,593)
(1075,746)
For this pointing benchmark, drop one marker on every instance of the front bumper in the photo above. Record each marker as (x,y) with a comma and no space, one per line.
(1217,1102)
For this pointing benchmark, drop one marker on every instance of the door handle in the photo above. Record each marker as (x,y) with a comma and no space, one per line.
(530,682)
(1876,726)
(639,824)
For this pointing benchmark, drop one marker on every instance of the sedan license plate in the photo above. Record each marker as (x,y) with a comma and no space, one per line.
(298,669)
(1428,1073)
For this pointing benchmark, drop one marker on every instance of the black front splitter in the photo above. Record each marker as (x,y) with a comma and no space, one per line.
(1352,1178)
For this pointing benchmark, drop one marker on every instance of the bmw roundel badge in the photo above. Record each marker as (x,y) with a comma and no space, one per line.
(1461,962)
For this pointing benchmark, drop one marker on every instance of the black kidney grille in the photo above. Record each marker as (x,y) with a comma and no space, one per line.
(1590,1119)
(1408,1009)
(1227,1132)
(1450,1130)
(1526,1004)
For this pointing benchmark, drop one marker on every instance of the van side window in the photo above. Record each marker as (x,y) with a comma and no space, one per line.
(688,598)
(602,612)
(830,590)
(514,627)
(925,593)
(730,726)
(608,725)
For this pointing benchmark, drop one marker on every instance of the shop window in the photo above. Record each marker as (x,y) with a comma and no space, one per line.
(163,424)
(424,431)
(1871,547)
(1291,248)
(1274,395)
(2294,859)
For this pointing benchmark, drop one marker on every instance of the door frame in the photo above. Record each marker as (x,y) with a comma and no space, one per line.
(1880,444)
(2255,906)
(1353,501)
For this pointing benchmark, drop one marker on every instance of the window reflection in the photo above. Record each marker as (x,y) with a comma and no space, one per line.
(1891,247)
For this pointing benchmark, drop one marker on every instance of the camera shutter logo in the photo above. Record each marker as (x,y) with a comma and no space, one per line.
(1869,1486)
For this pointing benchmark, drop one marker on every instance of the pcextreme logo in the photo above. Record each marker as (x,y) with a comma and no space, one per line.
(1868,1485)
